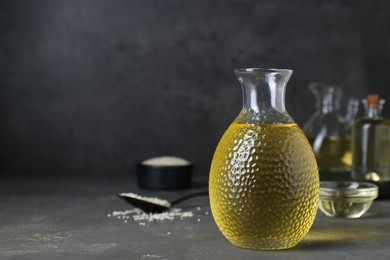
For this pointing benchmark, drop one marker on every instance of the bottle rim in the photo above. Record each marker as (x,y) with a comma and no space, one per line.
(262,70)
(348,189)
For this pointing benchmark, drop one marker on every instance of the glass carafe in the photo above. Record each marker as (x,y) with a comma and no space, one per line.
(329,133)
(264,182)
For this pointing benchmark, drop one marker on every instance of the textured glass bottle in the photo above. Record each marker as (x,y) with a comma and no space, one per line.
(371,144)
(264,182)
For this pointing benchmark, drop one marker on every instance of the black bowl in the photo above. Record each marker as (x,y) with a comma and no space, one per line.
(164,177)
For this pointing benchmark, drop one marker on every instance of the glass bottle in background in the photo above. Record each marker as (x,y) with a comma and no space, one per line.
(371,146)
(264,182)
(329,133)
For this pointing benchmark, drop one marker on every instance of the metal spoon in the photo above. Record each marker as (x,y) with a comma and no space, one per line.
(155,205)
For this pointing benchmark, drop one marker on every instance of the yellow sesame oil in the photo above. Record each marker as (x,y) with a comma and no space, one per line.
(264,185)
(333,154)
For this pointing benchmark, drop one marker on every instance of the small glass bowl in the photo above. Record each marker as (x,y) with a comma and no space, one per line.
(346,199)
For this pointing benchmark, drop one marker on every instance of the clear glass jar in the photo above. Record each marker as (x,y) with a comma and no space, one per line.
(264,183)
(328,132)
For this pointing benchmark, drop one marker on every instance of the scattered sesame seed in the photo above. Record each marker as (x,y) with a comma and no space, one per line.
(139,216)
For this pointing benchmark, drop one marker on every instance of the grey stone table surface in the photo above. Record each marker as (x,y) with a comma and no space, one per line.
(73,218)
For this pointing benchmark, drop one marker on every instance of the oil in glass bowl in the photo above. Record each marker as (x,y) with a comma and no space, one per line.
(346,199)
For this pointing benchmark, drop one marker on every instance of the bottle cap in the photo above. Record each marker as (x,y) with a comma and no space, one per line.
(373,100)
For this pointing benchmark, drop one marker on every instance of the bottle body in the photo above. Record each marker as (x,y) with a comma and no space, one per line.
(334,155)
(371,149)
(264,185)
(264,182)
(371,146)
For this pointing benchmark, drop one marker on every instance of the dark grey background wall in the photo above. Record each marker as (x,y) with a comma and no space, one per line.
(90,87)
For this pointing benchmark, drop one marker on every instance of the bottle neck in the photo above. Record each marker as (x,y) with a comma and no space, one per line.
(373,111)
(263,95)
(329,104)
(328,97)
